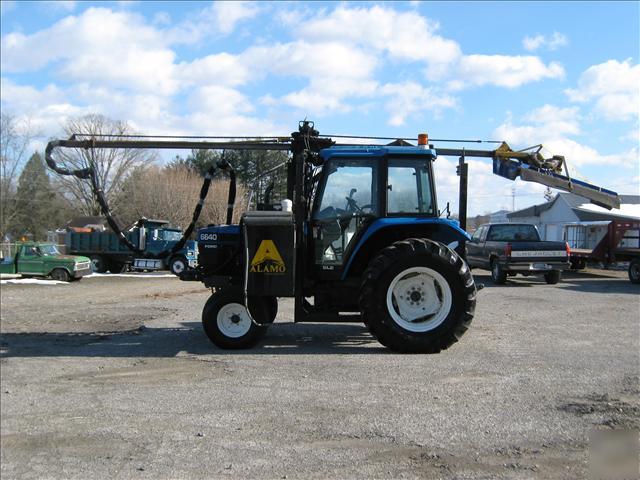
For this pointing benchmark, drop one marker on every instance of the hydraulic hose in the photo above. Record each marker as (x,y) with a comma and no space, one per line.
(91,174)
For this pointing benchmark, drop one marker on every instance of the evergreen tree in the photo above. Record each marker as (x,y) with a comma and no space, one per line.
(38,206)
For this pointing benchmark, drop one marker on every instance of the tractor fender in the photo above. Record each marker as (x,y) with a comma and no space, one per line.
(385,231)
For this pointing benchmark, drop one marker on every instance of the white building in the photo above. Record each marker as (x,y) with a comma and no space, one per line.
(569,209)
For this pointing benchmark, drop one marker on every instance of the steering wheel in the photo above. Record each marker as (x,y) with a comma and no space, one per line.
(353,207)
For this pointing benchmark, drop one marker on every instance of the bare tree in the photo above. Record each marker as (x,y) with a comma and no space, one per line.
(171,194)
(15,138)
(113,166)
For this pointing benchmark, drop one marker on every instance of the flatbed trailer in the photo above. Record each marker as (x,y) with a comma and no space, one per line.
(608,250)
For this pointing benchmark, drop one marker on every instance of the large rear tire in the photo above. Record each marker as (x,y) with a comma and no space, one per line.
(418,296)
(227,323)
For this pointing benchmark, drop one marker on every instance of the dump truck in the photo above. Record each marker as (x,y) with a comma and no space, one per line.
(35,259)
(107,253)
(359,237)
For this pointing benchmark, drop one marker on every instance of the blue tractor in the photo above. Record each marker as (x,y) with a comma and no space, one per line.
(360,238)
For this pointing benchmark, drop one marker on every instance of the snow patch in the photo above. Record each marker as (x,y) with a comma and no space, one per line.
(132,275)
(32,281)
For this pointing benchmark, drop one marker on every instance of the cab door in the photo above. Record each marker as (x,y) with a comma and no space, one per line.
(346,201)
(30,261)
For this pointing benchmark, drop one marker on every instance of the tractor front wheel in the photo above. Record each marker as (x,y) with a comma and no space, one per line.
(418,296)
(228,324)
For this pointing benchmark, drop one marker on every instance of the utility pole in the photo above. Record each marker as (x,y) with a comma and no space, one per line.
(513,199)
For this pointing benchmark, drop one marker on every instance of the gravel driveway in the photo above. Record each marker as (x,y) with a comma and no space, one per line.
(113,377)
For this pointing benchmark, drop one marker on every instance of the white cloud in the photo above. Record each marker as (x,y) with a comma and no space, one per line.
(220,68)
(551,42)
(229,14)
(613,86)
(335,72)
(503,71)
(403,35)
(409,98)
(161,18)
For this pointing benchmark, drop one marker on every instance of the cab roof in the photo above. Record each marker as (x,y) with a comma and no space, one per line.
(375,151)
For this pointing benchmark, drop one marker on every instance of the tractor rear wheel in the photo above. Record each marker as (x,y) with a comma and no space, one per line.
(227,323)
(418,296)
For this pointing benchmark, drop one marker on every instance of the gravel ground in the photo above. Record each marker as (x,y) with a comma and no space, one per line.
(113,377)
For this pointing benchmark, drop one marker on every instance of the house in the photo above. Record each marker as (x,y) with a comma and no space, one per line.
(552,218)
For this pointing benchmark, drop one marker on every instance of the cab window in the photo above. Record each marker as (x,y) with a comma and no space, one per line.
(409,187)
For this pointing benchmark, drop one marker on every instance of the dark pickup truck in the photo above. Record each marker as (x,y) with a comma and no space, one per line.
(511,248)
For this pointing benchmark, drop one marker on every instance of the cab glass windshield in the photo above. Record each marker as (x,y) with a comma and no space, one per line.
(49,250)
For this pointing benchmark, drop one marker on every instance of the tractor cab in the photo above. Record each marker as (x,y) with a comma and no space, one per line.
(359,185)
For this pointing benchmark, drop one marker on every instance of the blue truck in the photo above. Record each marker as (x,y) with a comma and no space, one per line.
(107,253)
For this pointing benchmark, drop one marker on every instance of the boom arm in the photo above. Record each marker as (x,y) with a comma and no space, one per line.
(531,166)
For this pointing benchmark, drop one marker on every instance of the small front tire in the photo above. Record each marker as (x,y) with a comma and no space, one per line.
(227,323)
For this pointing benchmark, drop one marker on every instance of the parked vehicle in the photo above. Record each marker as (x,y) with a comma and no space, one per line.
(619,242)
(508,249)
(44,260)
(107,253)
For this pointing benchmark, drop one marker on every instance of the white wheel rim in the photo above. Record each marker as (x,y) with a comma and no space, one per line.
(95,263)
(233,320)
(419,299)
(178,266)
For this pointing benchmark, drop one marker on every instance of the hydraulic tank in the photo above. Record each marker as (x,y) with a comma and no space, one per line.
(270,244)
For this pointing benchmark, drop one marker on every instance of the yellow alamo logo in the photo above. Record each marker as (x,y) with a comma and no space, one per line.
(267,259)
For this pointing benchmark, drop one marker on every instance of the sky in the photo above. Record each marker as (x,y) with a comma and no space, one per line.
(565,75)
